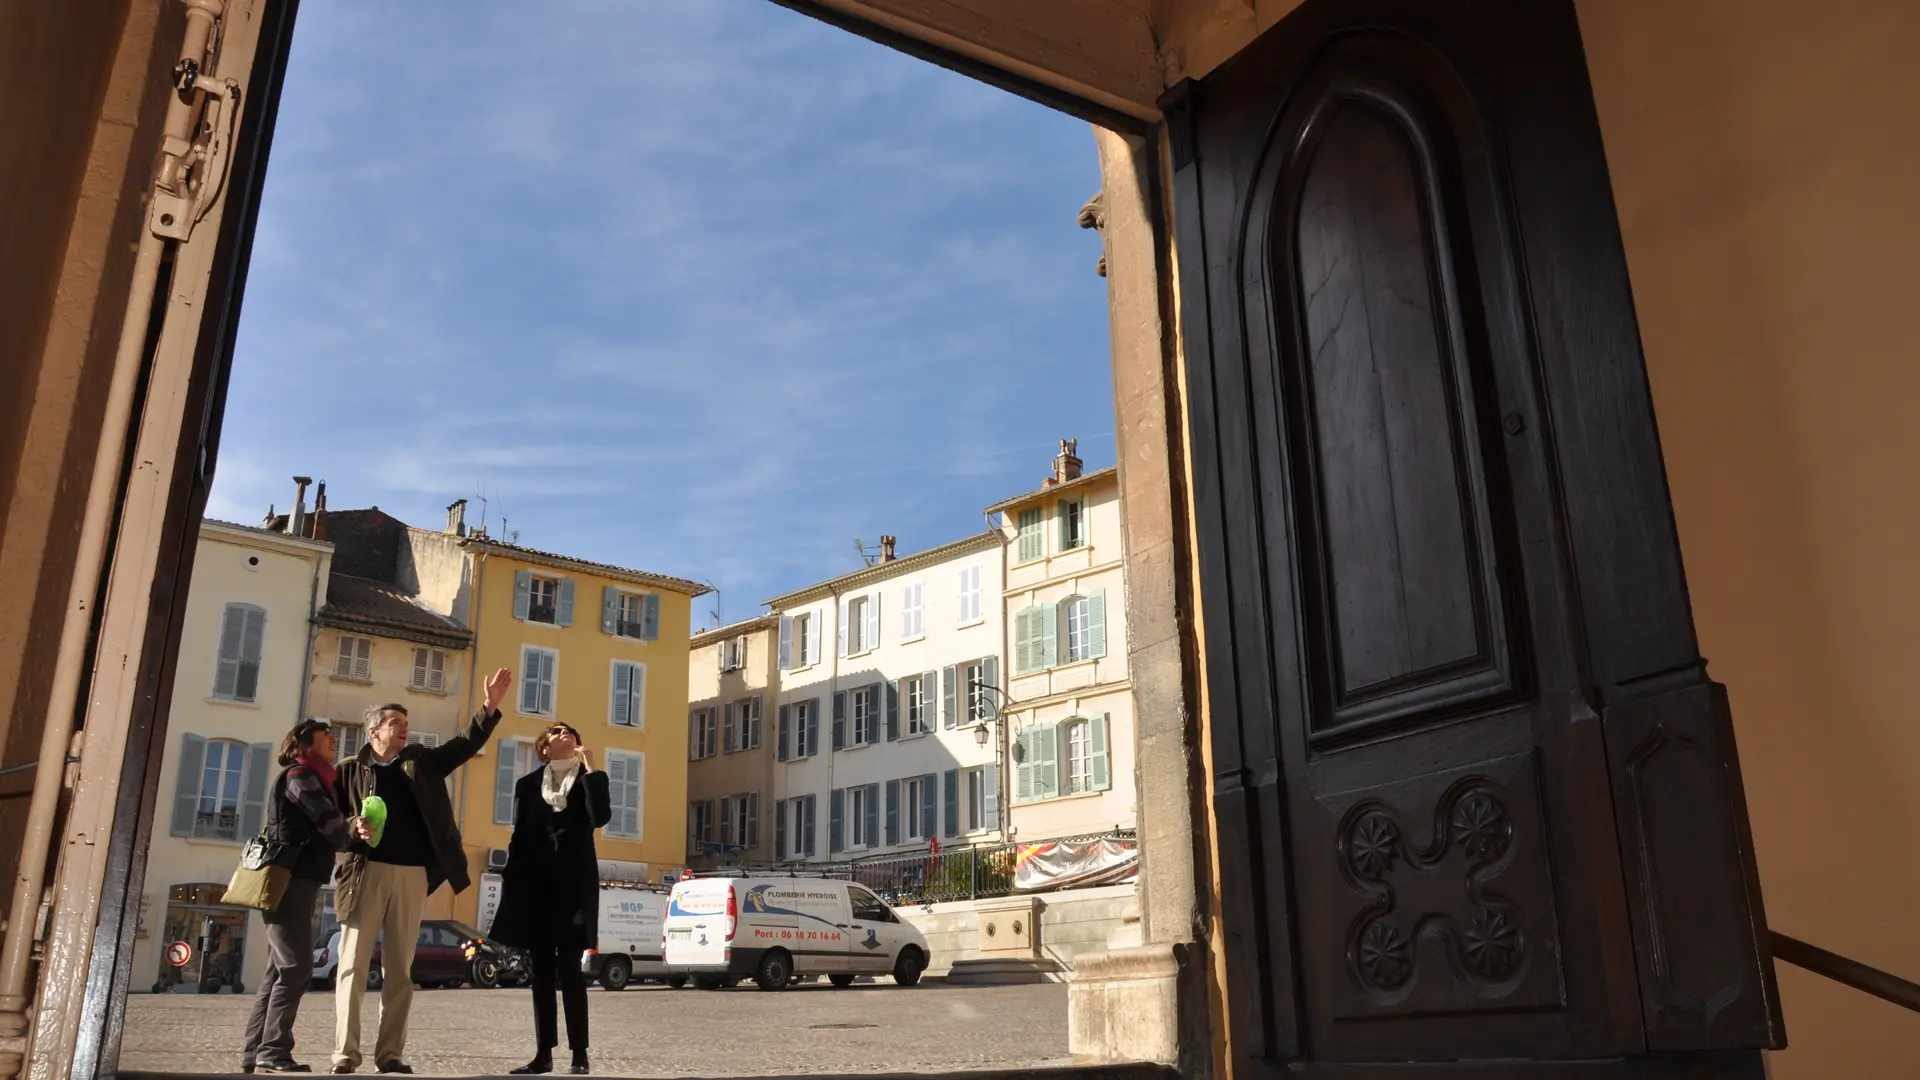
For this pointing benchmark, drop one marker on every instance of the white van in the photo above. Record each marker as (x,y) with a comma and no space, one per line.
(773,928)
(630,938)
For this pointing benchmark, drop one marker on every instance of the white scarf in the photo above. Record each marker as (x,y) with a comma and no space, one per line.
(557,779)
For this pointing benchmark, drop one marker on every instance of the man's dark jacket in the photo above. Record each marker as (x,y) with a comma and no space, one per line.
(428,768)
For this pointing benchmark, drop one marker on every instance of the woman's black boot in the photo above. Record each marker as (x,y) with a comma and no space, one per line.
(542,1063)
(579,1063)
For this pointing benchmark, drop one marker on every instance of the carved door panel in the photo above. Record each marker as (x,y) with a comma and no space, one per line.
(1477,797)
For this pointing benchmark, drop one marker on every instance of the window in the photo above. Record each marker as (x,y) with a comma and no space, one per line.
(913,606)
(979,703)
(969,594)
(915,799)
(1073,524)
(866,715)
(740,820)
(430,670)
(745,733)
(236,676)
(859,804)
(1079,758)
(423,738)
(629,706)
(626,783)
(703,737)
(355,660)
(543,600)
(218,815)
(976,798)
(699,826)
(799,642)
(733,654)
(1075,646)
(868,907)
(347,740)
(856,625)
(916,699)
(538,671)
(1033,536)
(793,827)
(806,729)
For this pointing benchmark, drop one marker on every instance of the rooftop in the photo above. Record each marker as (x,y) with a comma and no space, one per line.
(883,570)
(567,562)
(356,603)
(1083,480)
(758,622)
(250,531)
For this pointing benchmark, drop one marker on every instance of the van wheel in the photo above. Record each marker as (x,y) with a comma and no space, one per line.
(907,969)
(776,968)
(841,981)
(615,974)
(675,982)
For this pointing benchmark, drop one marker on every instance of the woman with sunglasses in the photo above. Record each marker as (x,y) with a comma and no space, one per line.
(550,888)
(302,814)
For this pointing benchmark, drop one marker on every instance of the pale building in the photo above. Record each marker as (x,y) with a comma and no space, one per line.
(887,681)
(1070,713)
(245,647)
(732,681)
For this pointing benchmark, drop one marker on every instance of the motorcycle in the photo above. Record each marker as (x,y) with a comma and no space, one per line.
(497,965)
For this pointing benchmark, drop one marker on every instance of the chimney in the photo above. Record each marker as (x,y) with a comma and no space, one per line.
(319,530)
(268,523)
(1066,466)
(457,517)
(296,521)
(886,549)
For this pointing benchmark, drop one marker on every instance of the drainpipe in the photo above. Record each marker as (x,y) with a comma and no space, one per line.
(313,636)
(103,498)
(473,673)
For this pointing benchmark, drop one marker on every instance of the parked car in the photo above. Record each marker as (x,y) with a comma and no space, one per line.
(722,929)
(440,957)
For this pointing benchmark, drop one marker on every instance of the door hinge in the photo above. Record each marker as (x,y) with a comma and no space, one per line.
(197,146)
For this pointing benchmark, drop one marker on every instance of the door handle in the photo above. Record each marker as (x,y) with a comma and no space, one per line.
(843,926)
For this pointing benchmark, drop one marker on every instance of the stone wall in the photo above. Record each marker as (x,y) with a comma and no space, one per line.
(1072,923)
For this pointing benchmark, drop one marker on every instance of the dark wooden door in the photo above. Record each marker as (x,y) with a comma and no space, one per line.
(1477,796)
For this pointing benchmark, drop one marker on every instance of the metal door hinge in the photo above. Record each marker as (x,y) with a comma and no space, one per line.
(197,146)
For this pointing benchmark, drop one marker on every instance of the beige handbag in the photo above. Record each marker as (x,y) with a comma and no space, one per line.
(258,883)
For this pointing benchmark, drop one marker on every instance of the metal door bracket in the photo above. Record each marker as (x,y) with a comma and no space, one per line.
(196,149)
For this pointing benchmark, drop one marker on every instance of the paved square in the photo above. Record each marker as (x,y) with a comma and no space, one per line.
(649,1031)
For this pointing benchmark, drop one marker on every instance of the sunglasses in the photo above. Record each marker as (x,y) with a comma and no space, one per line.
(562,731)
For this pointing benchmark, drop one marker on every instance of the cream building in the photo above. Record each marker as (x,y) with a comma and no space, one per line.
(732,681)
(887,679)
(1070,718)
(245,648)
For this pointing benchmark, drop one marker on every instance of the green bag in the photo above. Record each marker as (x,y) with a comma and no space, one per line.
(374,809)
(257,883)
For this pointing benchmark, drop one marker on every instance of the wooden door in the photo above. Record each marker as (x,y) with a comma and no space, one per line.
(1477,796)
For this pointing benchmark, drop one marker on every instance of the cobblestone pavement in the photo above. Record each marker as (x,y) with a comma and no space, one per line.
(649,1031)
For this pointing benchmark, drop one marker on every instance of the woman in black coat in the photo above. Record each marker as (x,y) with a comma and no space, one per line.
(550,888)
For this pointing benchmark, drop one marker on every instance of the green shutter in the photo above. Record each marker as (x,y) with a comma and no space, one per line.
(1049,632)
(1097,751)
(1023,642)
(1046,776)
(1032,537)
(1097,625)
(1023,770)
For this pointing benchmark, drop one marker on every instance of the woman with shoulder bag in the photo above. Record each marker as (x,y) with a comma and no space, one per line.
(305,821)
(550,888)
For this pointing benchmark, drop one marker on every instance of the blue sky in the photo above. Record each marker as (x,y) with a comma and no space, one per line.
(701,287)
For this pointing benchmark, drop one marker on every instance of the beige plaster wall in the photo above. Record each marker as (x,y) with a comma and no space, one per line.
(744,771)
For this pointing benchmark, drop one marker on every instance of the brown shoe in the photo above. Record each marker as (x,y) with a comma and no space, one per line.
(340,1068)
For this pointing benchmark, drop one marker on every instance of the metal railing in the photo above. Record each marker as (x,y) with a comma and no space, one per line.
(974,872)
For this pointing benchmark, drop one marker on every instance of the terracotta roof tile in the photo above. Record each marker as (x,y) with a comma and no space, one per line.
(355,603)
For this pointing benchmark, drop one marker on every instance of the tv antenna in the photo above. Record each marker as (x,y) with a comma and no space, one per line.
(861,548)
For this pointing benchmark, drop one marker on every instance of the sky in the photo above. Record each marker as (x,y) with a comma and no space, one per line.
(697,287)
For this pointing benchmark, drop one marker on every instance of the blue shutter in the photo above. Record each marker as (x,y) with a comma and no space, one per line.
(503,778)
(839,719)
(953,802)
(809,807)
(1097,751)
(522,593)
(253,785)
(786,728)
(948,697)
(837,820)
(813,727)
(563,612)
(786,642)
(893,711)
(929,803)
(990,796)
(186,785)
(609,609)
(529,680)
(247,684)
(779,830)
(873,813)
(893,812)
(621,712)
(650,617)
(1097,624)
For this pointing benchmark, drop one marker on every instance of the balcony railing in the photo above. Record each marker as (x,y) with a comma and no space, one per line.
(541,613)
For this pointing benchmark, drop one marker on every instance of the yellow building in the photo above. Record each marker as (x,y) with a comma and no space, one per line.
(601,648)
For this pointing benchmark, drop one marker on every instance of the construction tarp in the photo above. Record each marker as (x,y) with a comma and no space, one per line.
(1075,864)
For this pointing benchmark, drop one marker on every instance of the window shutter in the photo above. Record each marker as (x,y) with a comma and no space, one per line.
(1024,768)
(753,819)
(1046,776)
(1022,642)
(893,813)
(253,788)
(1030,546)
(786,642)
(609,609)
(1049,643)
(247,678)
(812,806)
(780,829)
(836,820)
(226,675)
(650,617)
(990,678)
(529,680)
(503,778)
(186,785)
(753,724)
(990,796)
(1097,624)
(1097,729)
(893,711)
(839,719)
(726,820)
(522,593)
(786,729)
(813,727)
(420,667)
(948,696)
(563,610)
(730,726)
(873,813)
(953,803)
(637,697)
(842,625)
(622,694)
(929,803)
(547,663)
(871,639)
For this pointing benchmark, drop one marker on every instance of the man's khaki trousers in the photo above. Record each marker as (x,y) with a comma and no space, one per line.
(387,909)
